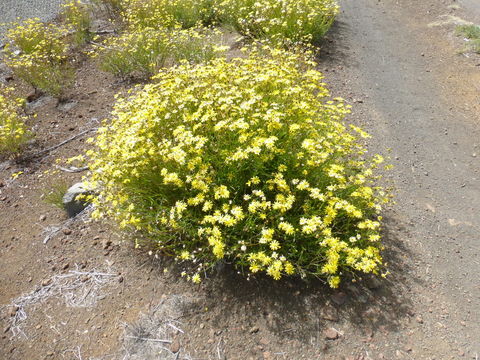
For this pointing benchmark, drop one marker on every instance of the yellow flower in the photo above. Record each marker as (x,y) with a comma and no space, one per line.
(196,279)
(221,192)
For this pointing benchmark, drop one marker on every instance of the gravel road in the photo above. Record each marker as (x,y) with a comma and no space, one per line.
(473,6)
(420,98)
(13,9)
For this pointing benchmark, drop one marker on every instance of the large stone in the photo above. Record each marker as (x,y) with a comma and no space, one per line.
(73,206)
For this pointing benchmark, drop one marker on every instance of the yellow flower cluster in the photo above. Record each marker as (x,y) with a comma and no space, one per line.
(13,132)
(168,13)
(142,52)
(246,160)
(37,53)
(77,17)
(286,21)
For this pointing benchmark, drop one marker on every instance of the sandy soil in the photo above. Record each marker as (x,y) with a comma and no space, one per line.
(86,294)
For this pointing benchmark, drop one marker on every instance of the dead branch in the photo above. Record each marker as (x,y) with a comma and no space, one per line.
(46,151)
(73,169)
(148,339)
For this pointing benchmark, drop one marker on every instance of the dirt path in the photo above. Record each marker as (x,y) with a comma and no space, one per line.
(401,70)
(88,288)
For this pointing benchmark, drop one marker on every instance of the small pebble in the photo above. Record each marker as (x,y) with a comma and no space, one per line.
(175,346)
(254,330)
(331,334)
(12,310)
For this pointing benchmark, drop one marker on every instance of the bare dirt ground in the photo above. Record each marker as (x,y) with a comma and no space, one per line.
(87,294)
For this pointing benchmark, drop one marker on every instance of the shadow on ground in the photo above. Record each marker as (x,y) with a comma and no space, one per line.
(297,309)
(334,49)
(302,310)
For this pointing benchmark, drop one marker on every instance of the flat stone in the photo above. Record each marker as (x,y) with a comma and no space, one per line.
(39,102)
(67,105)
(73,206)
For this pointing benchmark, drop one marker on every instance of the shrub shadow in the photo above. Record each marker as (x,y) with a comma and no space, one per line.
(298,309)
(334,47)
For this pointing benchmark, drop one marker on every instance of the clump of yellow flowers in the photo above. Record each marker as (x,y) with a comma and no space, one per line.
(285,21)
(168,13)
(37,53)
(13,131)
(159,33)
(142,52)
(162,32)
(247,161)
(78,18)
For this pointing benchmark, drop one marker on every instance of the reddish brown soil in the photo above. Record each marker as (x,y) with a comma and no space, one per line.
(405,81)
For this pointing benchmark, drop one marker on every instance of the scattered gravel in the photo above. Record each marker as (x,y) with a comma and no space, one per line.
(10,10)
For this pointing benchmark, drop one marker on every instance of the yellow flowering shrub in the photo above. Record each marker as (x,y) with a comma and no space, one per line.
(247,161)
(37,53)
(112,6)
(77,17)
(287,21)
(168,13)
(13,131)
(142,52)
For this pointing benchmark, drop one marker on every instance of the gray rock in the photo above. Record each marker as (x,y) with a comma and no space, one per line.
(5,73)
(67,105)
(43,100)
(70,202)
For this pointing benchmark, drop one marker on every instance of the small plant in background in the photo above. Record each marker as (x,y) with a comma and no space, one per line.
(143,52)
(286,21)
(113,7)
(472,34)
(246,161)
(54,194)
(469,31)
(77,17)
(13,131)
(168,13)
(37,53)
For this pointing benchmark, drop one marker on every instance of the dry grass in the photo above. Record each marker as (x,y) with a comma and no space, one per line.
(77,288)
